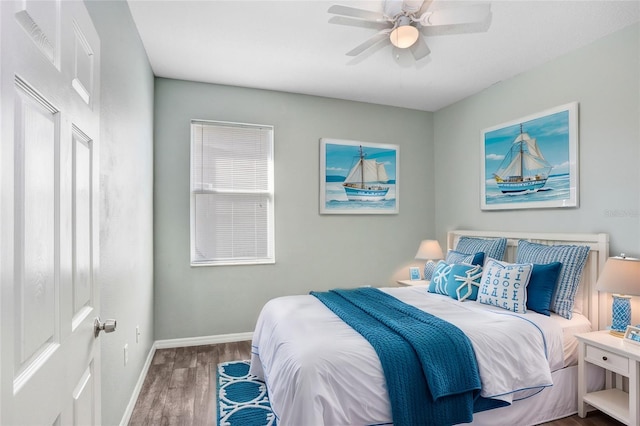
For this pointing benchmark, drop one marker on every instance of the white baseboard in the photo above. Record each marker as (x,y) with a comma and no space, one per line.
(176,343)
(138,387)
(203,340)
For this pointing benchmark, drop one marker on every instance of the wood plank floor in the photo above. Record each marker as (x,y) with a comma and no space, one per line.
(179,389)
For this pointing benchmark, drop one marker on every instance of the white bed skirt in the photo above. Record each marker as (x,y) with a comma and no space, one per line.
(555,402)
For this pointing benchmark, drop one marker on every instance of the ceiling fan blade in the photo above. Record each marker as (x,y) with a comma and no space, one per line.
(474,27)
(353,12)
(458,15)
(425,6)
(419,49)
(373,50)
(342,20)
(412,6)
(381,36)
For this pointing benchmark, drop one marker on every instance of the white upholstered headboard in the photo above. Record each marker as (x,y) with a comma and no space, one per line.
(594,305)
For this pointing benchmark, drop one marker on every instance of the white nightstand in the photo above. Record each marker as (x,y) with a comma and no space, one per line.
(413,282)
(619,358)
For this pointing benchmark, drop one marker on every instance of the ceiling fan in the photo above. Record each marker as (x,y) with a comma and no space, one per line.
(402,22)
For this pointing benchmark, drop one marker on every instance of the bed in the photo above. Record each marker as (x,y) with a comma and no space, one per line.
(319,370)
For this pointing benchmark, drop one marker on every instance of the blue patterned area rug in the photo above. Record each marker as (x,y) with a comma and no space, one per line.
(242,399)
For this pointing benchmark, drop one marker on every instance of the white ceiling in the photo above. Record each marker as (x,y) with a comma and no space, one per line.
(289,46)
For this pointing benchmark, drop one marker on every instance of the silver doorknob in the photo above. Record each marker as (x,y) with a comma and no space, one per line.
(108,326)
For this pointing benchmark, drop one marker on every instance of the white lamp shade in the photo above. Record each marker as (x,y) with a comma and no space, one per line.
(404,36)
(429,250)
(621,275)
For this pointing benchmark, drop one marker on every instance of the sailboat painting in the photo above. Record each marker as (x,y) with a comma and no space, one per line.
(358,177)
(531,162)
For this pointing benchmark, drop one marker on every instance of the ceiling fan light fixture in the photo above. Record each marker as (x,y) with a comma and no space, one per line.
(404,35)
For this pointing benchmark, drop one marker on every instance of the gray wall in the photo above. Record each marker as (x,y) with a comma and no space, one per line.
(604,78)
(126,202)
(316,251)
(319,252)
(313,251)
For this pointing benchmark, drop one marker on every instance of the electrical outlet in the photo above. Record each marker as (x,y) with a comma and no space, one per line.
(126,354)
(137,334)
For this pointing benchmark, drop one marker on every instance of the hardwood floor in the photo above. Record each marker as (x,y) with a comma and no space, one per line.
(179,388)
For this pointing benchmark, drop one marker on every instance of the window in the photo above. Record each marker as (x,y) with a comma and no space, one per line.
(231,193)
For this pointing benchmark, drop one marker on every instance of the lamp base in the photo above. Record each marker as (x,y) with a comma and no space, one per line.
(621,314)
(429,267)
(616,333)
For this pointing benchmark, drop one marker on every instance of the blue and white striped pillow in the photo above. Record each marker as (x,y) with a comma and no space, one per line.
(573,259)
(454,256)
(491,247)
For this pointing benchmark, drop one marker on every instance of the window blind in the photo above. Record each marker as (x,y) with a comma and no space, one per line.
(232,199)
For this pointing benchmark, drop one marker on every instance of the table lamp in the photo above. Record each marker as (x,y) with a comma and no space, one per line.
(621,277)
(429,250)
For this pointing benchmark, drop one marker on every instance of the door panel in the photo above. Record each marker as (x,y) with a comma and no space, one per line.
(83,412)
(82,80)
(49,356)
(41,22)
(35,285)
(82,202)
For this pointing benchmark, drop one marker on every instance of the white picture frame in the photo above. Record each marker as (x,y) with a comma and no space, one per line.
(414,273)
(632,334)
(552,137)
(339,196)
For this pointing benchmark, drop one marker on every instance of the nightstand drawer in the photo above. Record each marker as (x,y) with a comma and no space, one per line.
(608,360)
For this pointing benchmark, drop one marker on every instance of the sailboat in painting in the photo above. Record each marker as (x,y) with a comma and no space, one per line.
(524,168)
(364,180)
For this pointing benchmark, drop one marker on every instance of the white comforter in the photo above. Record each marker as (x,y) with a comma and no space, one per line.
(319,371)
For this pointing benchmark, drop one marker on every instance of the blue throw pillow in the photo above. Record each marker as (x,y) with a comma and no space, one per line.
(572,258)
(505,285)
(542,286)
(454,256)
(464,281)
(491,247)
(439,279)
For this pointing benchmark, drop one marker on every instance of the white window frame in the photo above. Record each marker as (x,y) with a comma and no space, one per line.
(201,188)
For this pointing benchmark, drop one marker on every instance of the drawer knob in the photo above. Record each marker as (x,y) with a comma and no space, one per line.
(604,358)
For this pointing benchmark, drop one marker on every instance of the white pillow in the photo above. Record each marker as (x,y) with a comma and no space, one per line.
(505,285)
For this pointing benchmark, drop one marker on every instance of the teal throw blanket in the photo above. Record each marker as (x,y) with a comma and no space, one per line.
(429,364)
